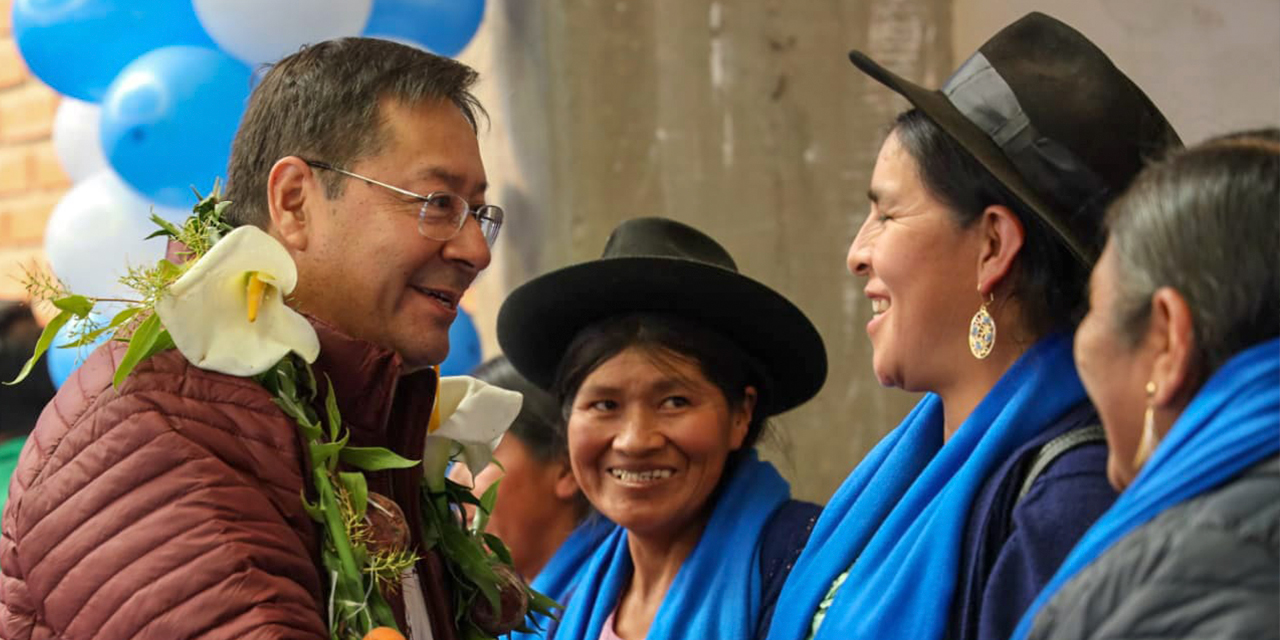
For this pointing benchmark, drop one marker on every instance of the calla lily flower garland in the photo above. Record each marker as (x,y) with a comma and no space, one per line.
(223,307)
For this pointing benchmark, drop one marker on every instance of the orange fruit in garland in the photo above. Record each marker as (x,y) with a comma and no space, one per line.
(383,633)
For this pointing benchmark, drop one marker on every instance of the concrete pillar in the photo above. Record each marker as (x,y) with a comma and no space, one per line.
(744,119)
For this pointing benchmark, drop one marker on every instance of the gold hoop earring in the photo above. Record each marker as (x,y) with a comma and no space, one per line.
(1147,445)
(982,330)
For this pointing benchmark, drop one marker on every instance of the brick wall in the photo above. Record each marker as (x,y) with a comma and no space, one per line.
(31,180)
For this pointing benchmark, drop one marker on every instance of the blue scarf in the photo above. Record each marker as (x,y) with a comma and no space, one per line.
(716,593)
(896,523)
(1232,424)
(559,577)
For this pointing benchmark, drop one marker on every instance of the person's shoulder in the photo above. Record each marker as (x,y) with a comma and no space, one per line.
(1247,509)
(165,377)
(162,390)
(1218,549)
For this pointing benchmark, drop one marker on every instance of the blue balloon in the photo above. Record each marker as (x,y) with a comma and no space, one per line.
(169,118)
(464,347)
(63,362)
(443,26)
(78,46)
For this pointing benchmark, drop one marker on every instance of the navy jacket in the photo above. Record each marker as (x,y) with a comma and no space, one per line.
(784,538)
(1012,548)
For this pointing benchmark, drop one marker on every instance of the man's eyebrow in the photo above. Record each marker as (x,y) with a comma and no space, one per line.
(454,181)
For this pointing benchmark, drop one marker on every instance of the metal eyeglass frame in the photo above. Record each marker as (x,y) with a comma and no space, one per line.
(488,216)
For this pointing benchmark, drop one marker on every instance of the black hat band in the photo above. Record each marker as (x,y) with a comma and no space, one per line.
(979,92)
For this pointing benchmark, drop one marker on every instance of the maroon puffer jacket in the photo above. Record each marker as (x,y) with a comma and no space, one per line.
(171,507)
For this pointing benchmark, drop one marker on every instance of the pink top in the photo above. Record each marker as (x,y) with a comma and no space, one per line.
(606,632)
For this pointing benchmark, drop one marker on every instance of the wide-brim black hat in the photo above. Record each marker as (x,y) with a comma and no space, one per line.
(657,265)
(1049,115)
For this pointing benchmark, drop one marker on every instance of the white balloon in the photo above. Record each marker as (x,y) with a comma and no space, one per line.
(98,230)
(75,138)
(257,32)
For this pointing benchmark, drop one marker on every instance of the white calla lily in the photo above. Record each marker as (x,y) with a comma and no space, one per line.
(473,416)
(227,312)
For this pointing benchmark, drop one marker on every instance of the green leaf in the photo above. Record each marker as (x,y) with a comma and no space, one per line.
(168,270)
(490,497)
(166,228)
(285,380)
(382,614)
(540,603)
(92,336)
(487,501)
(471,557)
(294,410)
(331,410)
(309,383)
(124,316)
(375,459)
(498,547)
(322,452)
(42,345)
(162,342)
(144,339)
(358,489)
(312,508)
(460,493)
(79,305)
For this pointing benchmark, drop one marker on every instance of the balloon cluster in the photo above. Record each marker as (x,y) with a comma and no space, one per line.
(153,91)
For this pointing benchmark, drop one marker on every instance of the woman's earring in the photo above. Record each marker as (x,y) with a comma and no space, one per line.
(1147,445)
(982,330)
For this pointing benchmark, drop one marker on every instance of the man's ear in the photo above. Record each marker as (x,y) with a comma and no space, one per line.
(1002,238)
(566,487)
(1171,335)
(289,185)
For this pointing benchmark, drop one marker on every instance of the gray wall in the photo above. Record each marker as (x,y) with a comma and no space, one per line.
(746,120)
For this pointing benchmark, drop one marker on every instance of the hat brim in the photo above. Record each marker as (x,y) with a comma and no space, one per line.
(539,319)
(939,109)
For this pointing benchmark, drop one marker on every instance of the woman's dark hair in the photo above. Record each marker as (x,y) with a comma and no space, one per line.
(1205,223)
(664,338)
(1048,281)
(540,424)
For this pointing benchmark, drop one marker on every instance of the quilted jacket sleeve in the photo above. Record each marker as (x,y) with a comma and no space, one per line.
(167,509)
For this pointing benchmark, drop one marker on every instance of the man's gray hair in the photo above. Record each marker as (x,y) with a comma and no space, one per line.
(324,102)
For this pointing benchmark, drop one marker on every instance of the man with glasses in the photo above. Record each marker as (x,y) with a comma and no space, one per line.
(182,514)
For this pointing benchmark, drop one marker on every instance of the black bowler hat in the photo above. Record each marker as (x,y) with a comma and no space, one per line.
(1048,114)
(656,265)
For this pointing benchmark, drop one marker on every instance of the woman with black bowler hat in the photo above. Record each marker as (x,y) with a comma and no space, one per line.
(985,216)
(667,362)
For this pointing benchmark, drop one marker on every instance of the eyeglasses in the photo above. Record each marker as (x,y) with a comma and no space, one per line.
(442,214)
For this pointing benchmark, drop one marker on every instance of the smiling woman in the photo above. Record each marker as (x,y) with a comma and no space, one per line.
(666,387)
(985,215)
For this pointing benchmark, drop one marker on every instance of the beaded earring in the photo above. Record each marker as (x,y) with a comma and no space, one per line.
(982,330)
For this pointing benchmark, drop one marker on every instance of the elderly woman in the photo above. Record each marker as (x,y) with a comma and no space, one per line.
(667,362)
(1180,354)
(986,197)
(539,513)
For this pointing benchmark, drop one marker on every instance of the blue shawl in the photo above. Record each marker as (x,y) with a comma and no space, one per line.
(1232,424)
(558,579)
(896,523)
(716,593)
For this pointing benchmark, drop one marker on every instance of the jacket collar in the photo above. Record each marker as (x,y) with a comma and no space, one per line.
(367,379)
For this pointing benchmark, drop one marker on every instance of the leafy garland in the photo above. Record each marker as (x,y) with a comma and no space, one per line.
(487,593)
